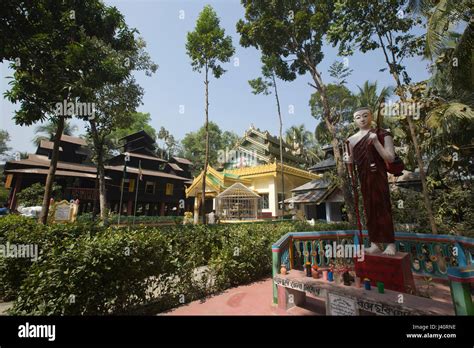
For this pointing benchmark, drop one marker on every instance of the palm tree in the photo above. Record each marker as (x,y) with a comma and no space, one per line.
(441,15)
(298,135)
(46,131)
(368,96)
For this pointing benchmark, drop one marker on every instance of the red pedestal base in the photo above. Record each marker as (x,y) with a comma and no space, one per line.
(394,271)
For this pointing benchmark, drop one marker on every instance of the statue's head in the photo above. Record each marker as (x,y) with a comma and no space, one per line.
(363,117)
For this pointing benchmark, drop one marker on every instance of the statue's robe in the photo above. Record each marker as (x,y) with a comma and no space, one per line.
(374,188)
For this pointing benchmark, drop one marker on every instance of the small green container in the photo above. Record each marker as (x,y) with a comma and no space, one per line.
(380,287)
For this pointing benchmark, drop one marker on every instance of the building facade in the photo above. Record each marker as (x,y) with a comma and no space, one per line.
(255,163)
(157,185)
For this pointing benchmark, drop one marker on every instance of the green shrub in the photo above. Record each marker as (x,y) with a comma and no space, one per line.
(85,269)
(19,230)
(33,195)
(128,220)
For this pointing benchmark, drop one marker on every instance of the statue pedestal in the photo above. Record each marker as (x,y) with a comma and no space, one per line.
(394,271)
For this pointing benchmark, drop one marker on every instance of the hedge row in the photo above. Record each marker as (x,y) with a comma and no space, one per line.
(126,219)
(91,270)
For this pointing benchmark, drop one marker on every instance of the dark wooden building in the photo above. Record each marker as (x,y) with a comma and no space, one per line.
(160,183)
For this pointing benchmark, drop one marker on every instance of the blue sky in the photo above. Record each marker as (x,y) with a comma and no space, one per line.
(232,105)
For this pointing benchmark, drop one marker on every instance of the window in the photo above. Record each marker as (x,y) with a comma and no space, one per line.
(150,187)
(169,189)
(264,201)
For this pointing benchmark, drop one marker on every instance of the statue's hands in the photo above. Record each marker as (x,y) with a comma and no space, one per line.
(372,138)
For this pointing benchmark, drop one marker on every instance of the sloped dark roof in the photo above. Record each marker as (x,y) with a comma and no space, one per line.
(137,135)
(43,161)
(140,155)
(182,160)
(146,172)
(324,164)
(73,140)
(174,166)
(315,196)
(315,184)
(48,145)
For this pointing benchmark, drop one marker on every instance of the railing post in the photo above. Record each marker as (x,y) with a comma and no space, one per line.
(290,252)
(461,256)
(276,265)
(461,279)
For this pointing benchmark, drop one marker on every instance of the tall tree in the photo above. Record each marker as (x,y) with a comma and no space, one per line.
(374,25)
(298,136)
(60,52)
(207,46)
(293,31)
(115,107)
(262,85)
(369,96)
(170,143)
(442,16)
(46,131)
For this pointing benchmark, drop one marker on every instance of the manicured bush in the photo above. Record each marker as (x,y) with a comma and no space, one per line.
(128,220)
(86,269)
(19,230)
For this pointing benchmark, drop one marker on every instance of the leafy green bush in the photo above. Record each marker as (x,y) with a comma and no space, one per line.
(453,209)
(19,230)
(33,195)
(85,269)
(125,219)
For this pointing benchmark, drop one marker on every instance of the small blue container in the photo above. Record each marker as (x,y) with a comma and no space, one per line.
(367,284)
(330,276)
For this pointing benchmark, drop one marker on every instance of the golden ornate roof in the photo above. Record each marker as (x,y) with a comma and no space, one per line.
(219,181)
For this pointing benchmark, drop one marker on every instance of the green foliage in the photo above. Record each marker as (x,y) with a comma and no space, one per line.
(47,130)
(62,52)
(4,139)
(113,218)
(171,145)
(453,208)
(339,71)
(18,230)
(194,145)
(373,24)
(137,122)
(33,195)
(207,45)
(290,31)
(3,193)
(406,210)
(88,269)
(343,103)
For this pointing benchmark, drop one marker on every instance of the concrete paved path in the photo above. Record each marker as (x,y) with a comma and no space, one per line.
(256,299)
(251,299)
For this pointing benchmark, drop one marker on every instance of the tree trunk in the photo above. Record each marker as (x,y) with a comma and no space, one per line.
(281,145)
(341,172)
(411,126)
(99,148)
(102,191)
(424,187)
(206,159)
(51,172)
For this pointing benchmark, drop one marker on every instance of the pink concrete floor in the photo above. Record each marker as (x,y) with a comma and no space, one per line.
(252,299)
(256,299)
